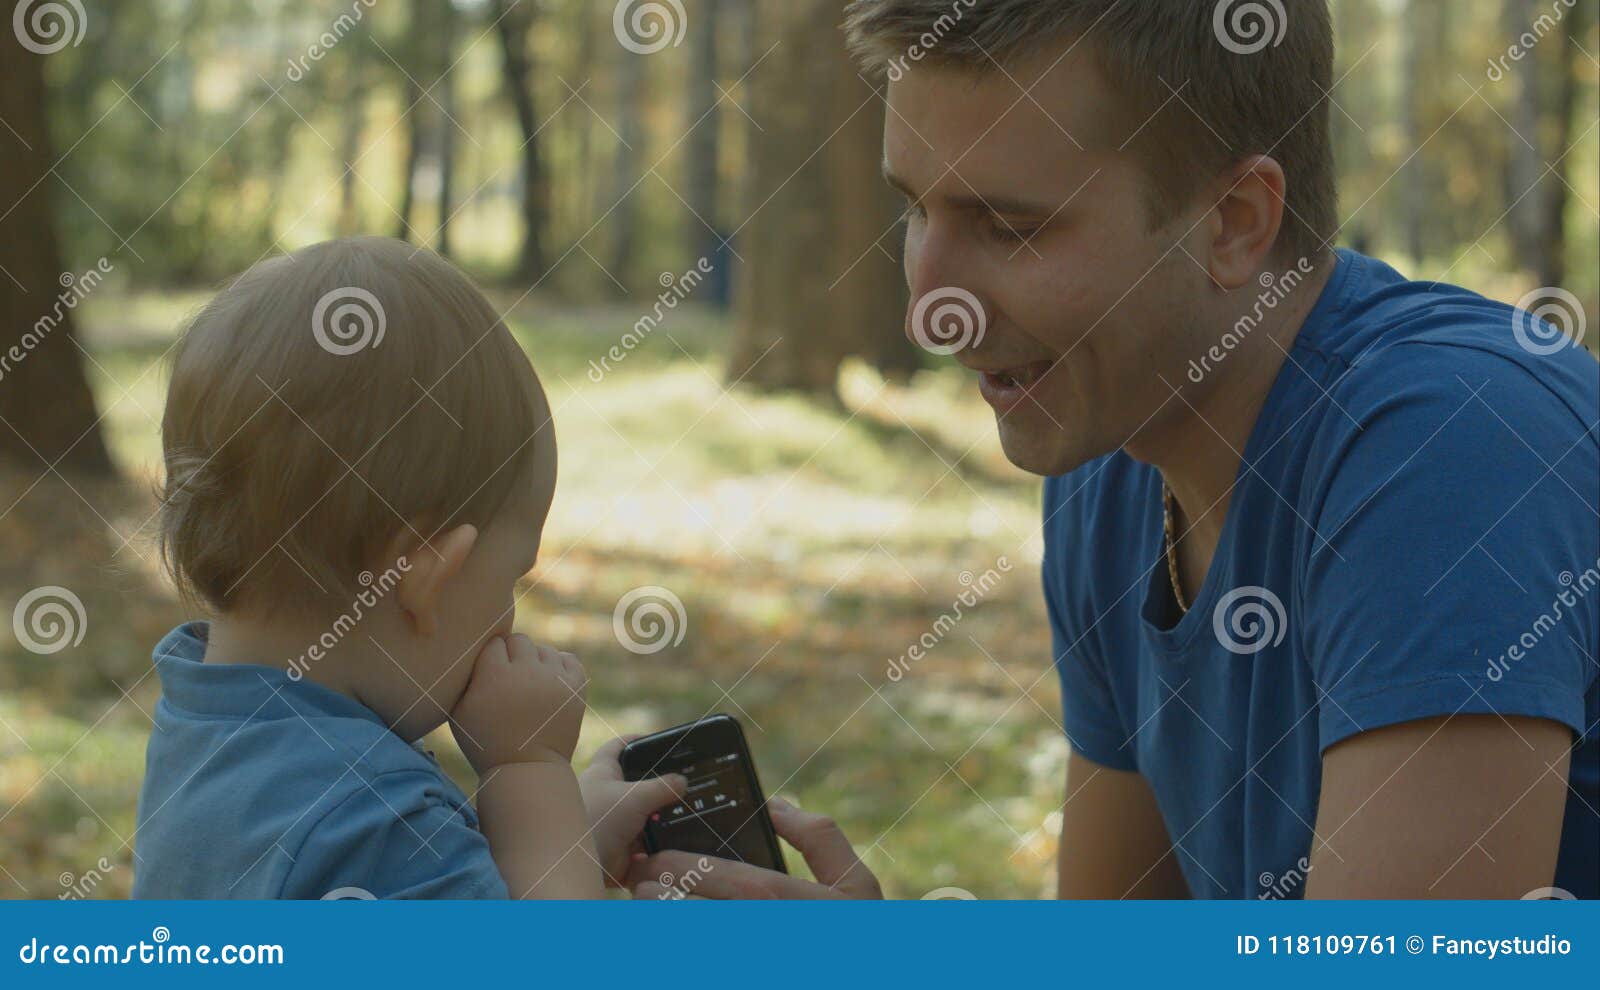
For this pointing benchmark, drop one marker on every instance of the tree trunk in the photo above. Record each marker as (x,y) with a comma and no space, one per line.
(47,412)
(815,287)
(514,25)
(703,150)
(448,123)
(1554,253)
(408,175)
(1414,184)
(355,123)
(624,183)
(1525,166)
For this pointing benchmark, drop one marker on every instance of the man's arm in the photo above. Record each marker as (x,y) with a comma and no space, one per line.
(1468,806)
(1114,843)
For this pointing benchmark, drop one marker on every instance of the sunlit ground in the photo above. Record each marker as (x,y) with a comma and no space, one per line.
(811,546)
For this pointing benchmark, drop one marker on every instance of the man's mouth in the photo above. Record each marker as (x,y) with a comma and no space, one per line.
(1005,387)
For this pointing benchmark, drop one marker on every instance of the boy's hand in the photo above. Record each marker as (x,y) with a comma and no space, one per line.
(524,704)
(618,809)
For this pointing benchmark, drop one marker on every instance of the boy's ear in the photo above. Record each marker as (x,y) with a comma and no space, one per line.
(433,564)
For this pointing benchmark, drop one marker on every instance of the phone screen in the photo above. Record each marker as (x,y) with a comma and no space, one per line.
(723,812)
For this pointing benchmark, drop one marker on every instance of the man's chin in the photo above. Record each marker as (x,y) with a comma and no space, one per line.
(1044,453)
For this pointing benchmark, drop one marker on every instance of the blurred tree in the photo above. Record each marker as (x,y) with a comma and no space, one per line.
(357,83)
(514,20)
(45,403)
(819,284)
(413,109)
(623,197)
(703,147)
(448,122)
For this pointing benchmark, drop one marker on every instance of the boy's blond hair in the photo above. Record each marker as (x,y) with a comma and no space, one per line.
(327,400)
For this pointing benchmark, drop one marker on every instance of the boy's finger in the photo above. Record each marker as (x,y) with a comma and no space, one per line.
(650,795)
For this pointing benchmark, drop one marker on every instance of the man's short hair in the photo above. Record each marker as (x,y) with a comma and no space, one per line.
(1206,83)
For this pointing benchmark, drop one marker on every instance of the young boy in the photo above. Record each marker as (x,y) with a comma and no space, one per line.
(359,463)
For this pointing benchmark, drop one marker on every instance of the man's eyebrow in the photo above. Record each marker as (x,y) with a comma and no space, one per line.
(968,199)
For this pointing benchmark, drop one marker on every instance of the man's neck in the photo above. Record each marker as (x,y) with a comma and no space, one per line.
(1200,455)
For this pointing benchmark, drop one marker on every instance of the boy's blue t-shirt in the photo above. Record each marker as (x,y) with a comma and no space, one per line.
(1414,532)
(261,786)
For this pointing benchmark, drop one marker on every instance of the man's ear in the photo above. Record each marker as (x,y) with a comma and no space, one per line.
(433,564)
(1246,221)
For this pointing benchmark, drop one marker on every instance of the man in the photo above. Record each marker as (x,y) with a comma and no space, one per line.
(1322,544)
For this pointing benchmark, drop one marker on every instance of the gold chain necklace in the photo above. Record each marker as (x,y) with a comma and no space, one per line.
(1170,528)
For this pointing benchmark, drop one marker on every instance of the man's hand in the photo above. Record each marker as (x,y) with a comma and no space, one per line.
(839,871)
(524,704)
(618,809)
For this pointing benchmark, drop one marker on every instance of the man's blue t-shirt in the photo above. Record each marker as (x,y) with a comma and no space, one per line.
(1414,533)
(261,786)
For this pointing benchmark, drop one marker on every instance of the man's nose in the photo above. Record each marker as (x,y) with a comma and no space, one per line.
(945,299)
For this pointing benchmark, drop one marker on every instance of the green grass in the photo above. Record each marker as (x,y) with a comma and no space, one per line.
(810,545)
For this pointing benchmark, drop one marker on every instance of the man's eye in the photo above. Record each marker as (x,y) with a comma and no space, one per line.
(1006,232)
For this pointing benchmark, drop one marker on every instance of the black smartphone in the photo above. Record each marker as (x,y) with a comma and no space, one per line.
(723,813)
